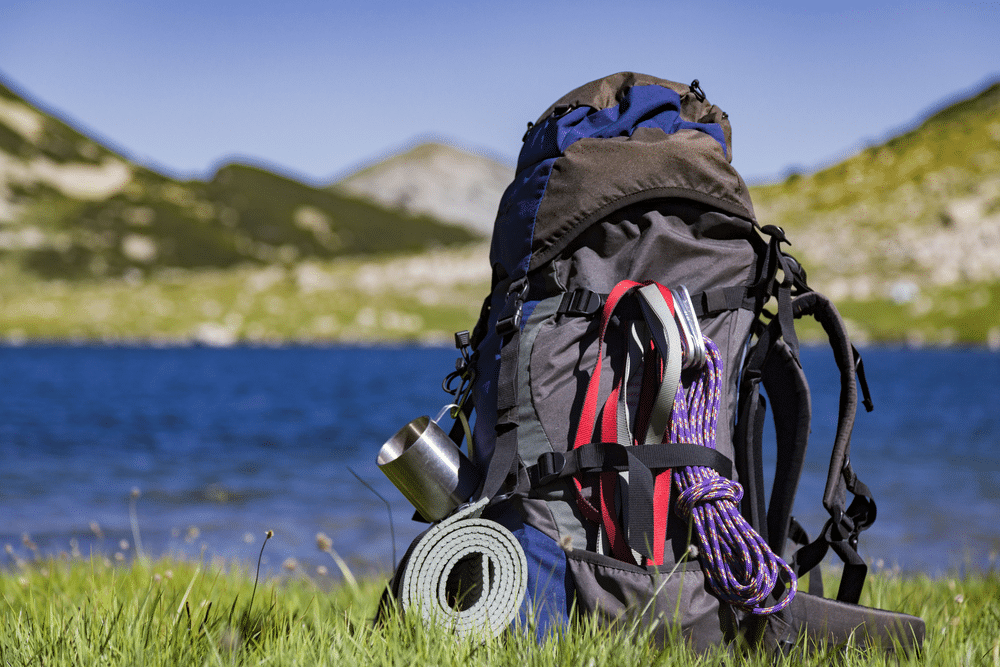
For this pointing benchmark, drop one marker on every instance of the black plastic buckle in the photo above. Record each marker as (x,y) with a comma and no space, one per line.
(550,467)
(580,302)
(509,319)
(776,233)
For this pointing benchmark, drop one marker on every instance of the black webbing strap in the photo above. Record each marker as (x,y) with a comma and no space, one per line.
(750,433)
(481,328)
(786,386)
(609,456)
(504,460)
(859,370)
(842,530)
(721,299)
(639,461)
(798,535)
(845,545)
(749,453)
(508,325)
(583,302)
(823,310)
(786,318)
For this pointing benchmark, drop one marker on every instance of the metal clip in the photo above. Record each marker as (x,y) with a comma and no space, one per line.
(509,319)
(691,338)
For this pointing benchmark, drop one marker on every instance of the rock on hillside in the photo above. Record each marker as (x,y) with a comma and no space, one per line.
(38,152)
(435,179)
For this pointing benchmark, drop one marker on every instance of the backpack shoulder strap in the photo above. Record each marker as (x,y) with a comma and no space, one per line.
(846,521)
(774,361)
(791,406)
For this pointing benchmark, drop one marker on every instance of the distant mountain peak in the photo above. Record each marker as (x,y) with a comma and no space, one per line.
(436,179)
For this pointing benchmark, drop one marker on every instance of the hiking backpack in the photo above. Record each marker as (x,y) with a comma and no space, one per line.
(640,320)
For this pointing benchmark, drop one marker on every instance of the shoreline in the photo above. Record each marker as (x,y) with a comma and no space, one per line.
(434,342)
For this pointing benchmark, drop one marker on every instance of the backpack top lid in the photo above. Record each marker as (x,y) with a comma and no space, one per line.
(613,142)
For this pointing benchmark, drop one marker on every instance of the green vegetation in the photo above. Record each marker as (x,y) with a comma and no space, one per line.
(409,298)
(73,610)
(948,155)
(904,236)
(243,215)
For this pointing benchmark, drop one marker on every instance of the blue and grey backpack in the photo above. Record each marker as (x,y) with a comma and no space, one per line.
(617,380)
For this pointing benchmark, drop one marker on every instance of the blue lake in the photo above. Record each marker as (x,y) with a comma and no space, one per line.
(225,444)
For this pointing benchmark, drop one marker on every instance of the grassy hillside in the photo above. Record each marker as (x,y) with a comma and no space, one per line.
(73,209)
(426,297)
(905,235)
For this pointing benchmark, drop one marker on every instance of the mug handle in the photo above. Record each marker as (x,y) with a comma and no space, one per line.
(465,424)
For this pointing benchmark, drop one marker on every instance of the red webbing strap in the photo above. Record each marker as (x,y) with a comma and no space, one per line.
(607,482)
(588,421)
(588,416)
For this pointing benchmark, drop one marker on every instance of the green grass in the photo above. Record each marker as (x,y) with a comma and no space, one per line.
(84,611)
(401,298)
(937,316)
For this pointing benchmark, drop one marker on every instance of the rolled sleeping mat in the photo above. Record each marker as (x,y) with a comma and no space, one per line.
(465,574)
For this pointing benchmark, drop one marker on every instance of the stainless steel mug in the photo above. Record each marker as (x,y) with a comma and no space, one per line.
(428,468)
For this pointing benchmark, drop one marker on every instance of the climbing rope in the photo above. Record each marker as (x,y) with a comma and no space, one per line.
(738,564)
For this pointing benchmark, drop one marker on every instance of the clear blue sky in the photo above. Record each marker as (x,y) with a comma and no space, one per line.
(317,87)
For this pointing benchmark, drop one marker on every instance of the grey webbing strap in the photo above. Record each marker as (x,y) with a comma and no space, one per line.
(638,343)
(668,339)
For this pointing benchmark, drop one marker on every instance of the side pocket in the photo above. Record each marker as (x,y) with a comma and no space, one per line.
(675,599)
(546,601)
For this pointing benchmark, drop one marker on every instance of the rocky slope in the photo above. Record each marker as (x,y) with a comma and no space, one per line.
(912,224)
(438,180)
(924,206)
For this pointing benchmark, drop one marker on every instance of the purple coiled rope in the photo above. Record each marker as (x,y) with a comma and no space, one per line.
(738,564)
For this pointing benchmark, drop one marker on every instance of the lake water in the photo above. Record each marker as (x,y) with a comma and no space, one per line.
(225,444)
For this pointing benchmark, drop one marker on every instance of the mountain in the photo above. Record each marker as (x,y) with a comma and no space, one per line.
(904,235)
(438,180)
(906,232)
(73,208)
